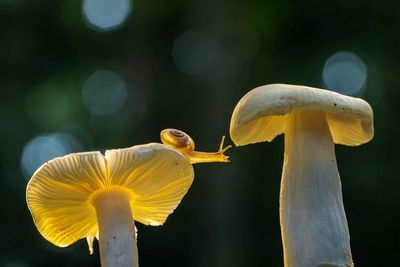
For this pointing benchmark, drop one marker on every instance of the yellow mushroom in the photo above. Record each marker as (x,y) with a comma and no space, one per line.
(91,195)
(313,221)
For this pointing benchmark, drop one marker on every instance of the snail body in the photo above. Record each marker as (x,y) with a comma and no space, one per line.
(182,142)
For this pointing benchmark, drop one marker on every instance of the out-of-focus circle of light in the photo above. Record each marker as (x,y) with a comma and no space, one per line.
(345,73)
(104,93)
(44,148)
(106,15)
(193,53)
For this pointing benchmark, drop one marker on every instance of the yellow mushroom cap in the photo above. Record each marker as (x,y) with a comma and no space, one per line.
(59,193)
(262,113)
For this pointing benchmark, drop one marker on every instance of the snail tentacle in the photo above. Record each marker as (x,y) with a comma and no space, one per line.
(221,148)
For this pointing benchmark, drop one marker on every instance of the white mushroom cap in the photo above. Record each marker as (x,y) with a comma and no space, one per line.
(262,113)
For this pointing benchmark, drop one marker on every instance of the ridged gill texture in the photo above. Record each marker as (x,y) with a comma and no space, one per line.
(59,194)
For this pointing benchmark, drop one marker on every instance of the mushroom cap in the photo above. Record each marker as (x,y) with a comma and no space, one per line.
(262,113)
(59,194)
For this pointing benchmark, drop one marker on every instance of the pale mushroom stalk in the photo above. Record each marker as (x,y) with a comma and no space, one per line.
(312,216)
(117,237)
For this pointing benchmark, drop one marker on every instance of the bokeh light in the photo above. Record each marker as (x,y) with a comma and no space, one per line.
(104,93)
(46,147)
(106,15)
(193,52)
(345,73)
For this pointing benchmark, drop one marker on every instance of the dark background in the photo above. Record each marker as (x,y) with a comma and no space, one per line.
(185,64)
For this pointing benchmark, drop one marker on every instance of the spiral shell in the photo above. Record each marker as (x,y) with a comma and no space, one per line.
(177,139)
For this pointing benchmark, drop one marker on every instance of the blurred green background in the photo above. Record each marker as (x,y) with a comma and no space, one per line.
(99,74)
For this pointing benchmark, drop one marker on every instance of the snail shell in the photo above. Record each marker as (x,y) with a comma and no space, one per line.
(177,139)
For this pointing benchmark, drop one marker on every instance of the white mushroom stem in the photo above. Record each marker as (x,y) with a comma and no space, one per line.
(117,237)
(313,221)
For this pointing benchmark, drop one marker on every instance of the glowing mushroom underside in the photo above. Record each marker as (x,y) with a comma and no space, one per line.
(89,195)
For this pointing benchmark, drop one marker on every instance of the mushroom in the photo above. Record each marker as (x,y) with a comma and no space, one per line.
(99,196)
(312,217)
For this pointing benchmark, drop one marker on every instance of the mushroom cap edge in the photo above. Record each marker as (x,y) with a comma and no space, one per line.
(261,114)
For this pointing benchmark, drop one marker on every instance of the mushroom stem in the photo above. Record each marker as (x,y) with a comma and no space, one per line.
(313,221)
(117,237)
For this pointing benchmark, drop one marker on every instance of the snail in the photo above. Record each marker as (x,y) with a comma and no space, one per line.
(185,144)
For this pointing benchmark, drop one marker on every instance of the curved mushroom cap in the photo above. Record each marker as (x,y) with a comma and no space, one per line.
(262,113)
(59,193)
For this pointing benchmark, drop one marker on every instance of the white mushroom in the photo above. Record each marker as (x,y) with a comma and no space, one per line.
(313,221)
